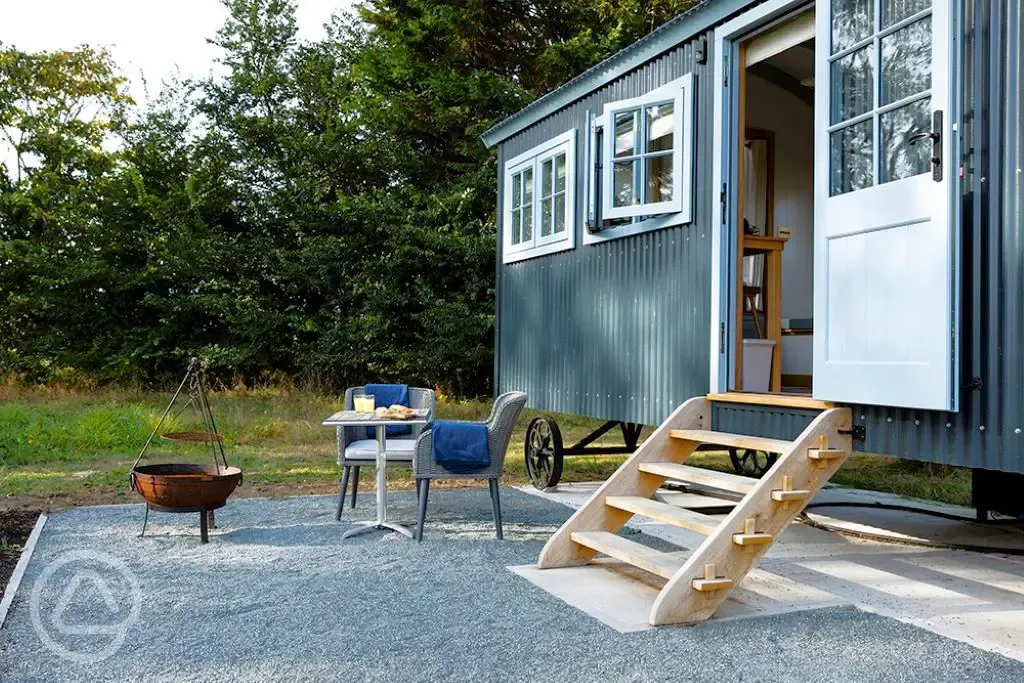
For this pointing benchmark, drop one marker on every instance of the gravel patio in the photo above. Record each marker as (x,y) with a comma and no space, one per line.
(276,595)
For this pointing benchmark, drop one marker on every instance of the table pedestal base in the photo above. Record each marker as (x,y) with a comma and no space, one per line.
(366,527)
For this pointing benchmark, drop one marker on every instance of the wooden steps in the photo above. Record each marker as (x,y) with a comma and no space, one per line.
(698,585)
(663,512)
(755,443)
(631,552)
(724,481)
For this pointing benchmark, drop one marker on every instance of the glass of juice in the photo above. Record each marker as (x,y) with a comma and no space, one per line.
(363,402)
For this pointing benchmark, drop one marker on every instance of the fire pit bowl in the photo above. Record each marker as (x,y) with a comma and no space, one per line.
(186,487)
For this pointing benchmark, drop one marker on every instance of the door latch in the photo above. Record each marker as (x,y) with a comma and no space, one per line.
(935,135)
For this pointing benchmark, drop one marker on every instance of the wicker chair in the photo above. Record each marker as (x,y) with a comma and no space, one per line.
(356,449)
(500,424)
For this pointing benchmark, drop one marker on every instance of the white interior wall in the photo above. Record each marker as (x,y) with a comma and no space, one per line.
(771,108)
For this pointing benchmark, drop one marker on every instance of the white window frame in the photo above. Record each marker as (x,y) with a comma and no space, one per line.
(680,93)
(534,159)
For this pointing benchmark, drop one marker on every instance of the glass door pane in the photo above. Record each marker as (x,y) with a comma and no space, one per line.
(899,158)
(894,11)
(907,61)
(851,158)
(853,85)
(852,22)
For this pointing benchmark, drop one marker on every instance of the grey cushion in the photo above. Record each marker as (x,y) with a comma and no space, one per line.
(397,450)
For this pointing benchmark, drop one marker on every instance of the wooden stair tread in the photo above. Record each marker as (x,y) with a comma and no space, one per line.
(663,512)
(698,502)
(698,475)
(757,443)
(773,400)
(631,552)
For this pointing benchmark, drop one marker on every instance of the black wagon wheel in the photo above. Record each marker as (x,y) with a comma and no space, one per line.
(543,452)
(751,463)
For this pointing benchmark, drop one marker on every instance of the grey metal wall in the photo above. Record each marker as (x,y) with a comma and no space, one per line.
(621,330)
(618,330)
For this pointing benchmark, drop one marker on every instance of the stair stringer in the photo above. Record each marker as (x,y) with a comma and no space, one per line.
(678,602)
(628,480)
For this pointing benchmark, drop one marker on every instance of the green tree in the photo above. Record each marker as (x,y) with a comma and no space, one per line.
(60,114)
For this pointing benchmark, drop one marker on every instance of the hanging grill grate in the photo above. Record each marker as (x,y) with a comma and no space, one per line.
(177,487)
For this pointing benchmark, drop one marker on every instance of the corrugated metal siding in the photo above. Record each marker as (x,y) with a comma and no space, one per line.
(618,330)
(773,423)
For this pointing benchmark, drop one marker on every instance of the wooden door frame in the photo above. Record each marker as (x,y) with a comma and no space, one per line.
(726,339)
(769,229)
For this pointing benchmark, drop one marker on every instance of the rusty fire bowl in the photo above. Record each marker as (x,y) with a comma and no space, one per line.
(186,488)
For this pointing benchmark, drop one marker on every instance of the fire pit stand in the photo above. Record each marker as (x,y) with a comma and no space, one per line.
(184,488)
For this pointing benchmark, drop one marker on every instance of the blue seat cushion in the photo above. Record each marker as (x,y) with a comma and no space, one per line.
(385,395)
(461,447)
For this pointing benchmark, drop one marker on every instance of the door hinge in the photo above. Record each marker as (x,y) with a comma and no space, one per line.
(725,71)
(723,199)
(721,338)
(858,433)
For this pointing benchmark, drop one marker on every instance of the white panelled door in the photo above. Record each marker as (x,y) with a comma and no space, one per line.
(884,298)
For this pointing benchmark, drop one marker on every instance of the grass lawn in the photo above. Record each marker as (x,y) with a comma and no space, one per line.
(61,448)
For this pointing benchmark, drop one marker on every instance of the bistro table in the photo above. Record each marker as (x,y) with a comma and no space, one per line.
(354,418)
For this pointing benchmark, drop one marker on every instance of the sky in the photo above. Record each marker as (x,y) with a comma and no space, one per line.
(148,38)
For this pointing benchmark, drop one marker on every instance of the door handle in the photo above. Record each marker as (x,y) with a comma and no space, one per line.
(914,139)
(935,135)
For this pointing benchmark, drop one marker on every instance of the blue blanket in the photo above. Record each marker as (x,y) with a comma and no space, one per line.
(388,395)
(461,447)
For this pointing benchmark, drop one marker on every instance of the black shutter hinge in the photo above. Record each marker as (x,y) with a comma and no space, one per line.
(723,199)
(859,432)
(974,384)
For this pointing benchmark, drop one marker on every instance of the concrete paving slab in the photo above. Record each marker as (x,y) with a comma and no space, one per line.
(620,596)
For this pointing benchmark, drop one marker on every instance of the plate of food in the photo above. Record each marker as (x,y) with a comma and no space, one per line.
(395,412)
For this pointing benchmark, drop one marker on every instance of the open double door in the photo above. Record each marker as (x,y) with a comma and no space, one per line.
(885,172)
